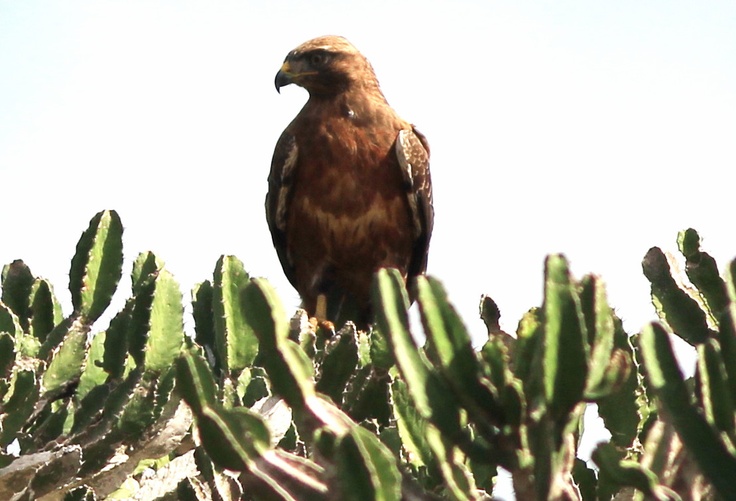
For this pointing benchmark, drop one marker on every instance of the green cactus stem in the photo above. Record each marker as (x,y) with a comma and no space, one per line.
(97,265)
(703,442)
(290,370)
(17,281)
(45,310)
(204,317)
(67,360)
(25,390)
(9,321)
(702,271)
(235,342)
(339,363)
(675,306)
(631,473)
(712,388)
(600,329)
(457,363)
(155,332)
(565,350)
(366,470)
(432,397)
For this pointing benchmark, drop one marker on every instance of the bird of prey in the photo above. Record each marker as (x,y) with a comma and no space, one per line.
(349,190)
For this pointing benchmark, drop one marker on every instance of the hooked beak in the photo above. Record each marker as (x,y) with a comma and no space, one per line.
(284,76)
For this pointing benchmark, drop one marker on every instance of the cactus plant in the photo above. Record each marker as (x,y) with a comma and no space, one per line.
(703,418)
(89,393)
(260,407)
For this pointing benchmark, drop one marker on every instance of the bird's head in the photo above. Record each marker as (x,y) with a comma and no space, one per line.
(325,65)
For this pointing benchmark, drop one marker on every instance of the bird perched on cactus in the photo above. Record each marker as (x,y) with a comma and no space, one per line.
(349,190)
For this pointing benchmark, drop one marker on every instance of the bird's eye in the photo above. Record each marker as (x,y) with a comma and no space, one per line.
(317,59)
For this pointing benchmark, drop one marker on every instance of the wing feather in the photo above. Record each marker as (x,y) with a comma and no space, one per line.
(278,198)
(412,151)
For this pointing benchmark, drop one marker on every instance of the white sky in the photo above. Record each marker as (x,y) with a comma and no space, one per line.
(597,131)
(593,129)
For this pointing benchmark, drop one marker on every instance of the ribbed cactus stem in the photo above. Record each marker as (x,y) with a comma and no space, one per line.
(664,376)
(235,341)
(565,344)
(97,265)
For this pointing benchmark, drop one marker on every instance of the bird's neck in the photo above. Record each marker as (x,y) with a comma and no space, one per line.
(358,99)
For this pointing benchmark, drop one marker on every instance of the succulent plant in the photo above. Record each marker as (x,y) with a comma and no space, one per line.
(253,404)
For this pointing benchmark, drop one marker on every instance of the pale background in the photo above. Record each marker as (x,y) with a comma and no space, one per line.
(597,130)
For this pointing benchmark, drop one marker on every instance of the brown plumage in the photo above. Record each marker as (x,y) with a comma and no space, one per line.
(349,190)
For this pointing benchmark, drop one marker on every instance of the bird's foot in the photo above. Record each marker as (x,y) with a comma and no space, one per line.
(319,320)
(323,326)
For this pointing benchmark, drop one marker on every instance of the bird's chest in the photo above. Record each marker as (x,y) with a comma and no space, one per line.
(348,191)
(343,166)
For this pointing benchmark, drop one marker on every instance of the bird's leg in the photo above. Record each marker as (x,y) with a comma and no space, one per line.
(319,320)
(320,309)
